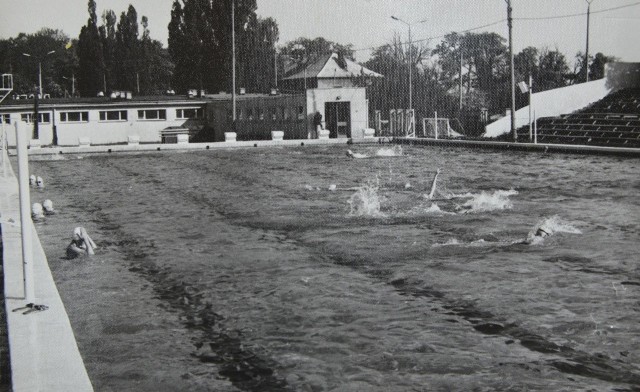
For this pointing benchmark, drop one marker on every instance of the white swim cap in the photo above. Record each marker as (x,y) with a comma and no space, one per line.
(48,205)
(36,209)
(39,181)
(32,179)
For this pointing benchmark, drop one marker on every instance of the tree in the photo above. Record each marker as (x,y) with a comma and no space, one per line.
(127,50)
(90,56)
(257,54)
(109,44)
(200,41)
(553,70)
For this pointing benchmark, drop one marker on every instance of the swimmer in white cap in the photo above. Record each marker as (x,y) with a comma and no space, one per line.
(48,207)
(37,213)
(32,180)
(39,182)
(81,244)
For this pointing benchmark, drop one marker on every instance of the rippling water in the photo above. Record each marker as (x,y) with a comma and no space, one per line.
(302,269)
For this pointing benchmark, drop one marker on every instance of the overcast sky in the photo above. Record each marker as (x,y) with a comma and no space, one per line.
(367,23)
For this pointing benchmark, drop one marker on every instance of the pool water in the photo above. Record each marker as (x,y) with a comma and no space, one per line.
(302,269)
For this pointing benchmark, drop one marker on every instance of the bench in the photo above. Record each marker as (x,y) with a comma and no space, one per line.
(230,136)
(323,134)
(84,142)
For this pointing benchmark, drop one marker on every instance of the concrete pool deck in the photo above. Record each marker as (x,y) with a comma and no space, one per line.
(484,144)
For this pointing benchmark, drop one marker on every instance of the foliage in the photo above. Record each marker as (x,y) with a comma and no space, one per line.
(200,41)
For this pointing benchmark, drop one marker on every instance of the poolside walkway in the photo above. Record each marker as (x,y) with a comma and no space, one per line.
(484,144)
(42,348)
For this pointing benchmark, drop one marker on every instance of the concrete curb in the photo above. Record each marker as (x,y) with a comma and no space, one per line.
(193,146)
(43,350)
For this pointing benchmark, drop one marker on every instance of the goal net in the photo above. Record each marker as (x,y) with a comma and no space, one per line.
(440,128)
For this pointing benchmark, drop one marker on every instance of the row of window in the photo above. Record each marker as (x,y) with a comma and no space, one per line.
(108,115)
(274,113)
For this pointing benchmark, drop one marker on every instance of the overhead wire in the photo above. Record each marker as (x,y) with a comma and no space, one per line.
(502,21)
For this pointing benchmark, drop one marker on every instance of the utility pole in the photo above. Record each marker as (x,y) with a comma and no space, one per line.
(513,78)
(586,55)
(233,60)
(460,77)
(410,59)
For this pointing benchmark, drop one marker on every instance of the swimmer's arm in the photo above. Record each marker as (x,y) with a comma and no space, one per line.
(433,184)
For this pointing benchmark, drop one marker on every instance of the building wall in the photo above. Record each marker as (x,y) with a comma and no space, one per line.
(257,116)
(356,96)
(101,131)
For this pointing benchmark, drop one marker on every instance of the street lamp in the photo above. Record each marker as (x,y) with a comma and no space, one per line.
(410,59)
(40,68)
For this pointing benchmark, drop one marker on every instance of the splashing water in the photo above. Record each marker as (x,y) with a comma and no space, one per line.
(365,201)
(553,225)
(396,151)
(486,201)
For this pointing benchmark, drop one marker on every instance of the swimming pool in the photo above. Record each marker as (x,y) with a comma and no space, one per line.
(301,269)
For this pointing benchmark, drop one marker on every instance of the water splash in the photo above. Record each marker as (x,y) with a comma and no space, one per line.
(552,225)
(489,201)
(365,201)
(395,151)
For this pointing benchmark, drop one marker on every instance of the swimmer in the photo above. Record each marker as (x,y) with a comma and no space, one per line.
(352,154)
(32,180)
(536,236)
(48,207)
(39,182)
(37,213)
(81,244)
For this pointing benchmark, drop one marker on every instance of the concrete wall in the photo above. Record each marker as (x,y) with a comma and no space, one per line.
(101,132)
(316,98)
(571,98)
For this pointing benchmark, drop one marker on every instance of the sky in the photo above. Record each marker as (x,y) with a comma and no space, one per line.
(368,23)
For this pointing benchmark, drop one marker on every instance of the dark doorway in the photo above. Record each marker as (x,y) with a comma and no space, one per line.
(338,119)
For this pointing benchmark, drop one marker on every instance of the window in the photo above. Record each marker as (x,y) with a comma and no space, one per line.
(183,114)
(113,115)
(300,112)
(152,114)
(43,118)
(6,118)
(74,116)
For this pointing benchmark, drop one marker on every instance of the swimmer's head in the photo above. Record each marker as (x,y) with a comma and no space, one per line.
(36,210)
(39,182)
(543,231)
(32,180)
(47,205)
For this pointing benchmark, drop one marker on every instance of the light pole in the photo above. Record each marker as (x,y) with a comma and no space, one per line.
(410,58)
(40,68)
(586,55)
(513,77)
(233,61)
